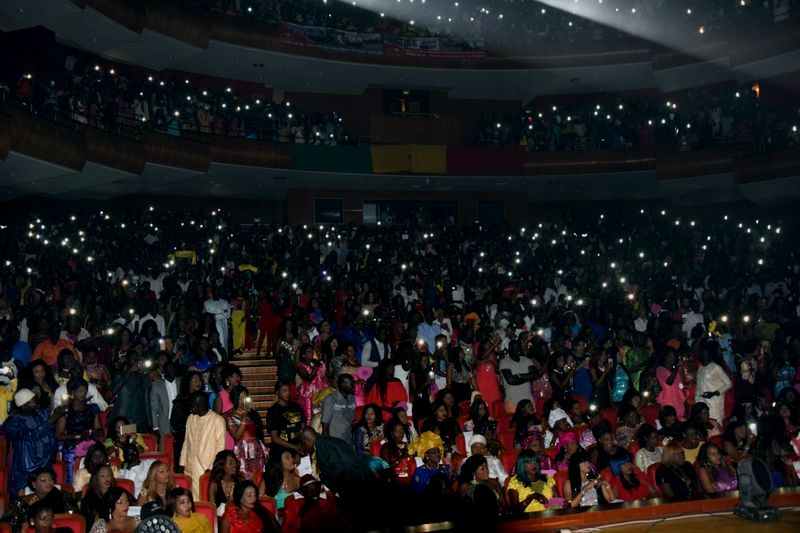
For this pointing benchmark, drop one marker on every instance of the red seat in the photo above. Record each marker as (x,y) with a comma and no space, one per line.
(126,484)
(506,438)
(158,456)
(504,422)
(405,470)
(461,444)
(552,451)
(509,458)
(183,481)
(464,407)
(359,414)
(561,478)
(455,463)
(634,447)
(375,447)
(650,413)
(4,505)
(74,522)
(651,473)
(4,527)
(269,504)
(3,447)
(462,420)
(208,510)
(205,481)
(60,469)
(610,414)
(169,447)
(150,442)
(716,440)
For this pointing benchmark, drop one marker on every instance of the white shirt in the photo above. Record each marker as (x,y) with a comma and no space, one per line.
(172,393)
(92,395)
(366,352)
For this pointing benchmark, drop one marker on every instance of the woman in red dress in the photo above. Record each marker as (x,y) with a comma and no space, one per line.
(387,391)
(244,514)
(487,379)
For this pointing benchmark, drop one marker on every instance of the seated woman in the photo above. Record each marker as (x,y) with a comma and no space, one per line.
(529,490)
(41,488)
(474,473)
(280,480)
(675,477)
(180,506)
(583,488)
(477,446)
(244,514)
(568,447)
(630,483)
(394,448)
(706,426)
(479,421)
(649,453)
(714,475)
(40,518)
(225,475)
(117,441)
(399,412)
(93,503)
(691,443)
(631,420)
(368,429)
(523,422)
(607,448)
(669,427)
(96,457)
(157,485)
(429,448)
(737,441)
(443,425)
(771,451)
(115,518)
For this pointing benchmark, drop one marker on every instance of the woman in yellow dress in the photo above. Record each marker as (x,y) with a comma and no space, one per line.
(180,506)
(529,490)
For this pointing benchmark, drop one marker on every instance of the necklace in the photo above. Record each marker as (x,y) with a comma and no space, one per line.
(228,492)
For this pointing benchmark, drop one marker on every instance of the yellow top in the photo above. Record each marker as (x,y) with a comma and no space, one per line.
(545,488)
(196,523)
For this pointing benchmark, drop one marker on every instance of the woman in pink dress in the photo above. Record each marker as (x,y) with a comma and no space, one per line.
(247,429)
(487,379)
(669,379)
(312,378)
(231,377)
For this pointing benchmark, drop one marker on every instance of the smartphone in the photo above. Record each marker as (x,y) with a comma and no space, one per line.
(127,429)
(248,403)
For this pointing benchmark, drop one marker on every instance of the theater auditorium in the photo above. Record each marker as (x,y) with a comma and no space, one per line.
(295,266)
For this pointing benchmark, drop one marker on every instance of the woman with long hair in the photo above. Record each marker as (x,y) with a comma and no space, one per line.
(387,391)
(649,453)
(312,378)
(443,425)
(244,514)
(41,374)
(368,429)
(93,502)
(225,476)
(116,501)
(737,441)
(529,490)
(523,422)
(281,479)
(395,447)
(40,488)
(487,377)
(600,371)
(459,377)
(714,475)
(479,421)
(180,506)
(247,429)
(629,483)
(157,485)
(699,418)
(583,488)
(422,381)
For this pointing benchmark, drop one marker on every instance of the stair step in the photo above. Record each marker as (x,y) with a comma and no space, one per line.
(242,362)
(260,371)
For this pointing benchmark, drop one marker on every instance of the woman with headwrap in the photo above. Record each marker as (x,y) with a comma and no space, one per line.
(430,448)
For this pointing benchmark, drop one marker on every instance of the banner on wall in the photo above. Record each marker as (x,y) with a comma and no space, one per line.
(452,47)
(331,39)
(378,44)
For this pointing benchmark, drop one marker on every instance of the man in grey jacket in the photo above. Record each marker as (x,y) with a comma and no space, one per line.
(162,393)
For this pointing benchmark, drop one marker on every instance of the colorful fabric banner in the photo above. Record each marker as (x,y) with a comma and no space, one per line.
(351,159)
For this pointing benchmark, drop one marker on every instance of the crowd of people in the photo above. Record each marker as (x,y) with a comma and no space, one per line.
(502,22)
(86,89)
(423,373)
(699,118)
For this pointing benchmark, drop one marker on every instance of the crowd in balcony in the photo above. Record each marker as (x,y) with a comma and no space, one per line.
(423,373)
(698,118)
(507,22)
(86,89)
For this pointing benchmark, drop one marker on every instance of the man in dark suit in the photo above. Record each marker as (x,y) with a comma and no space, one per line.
(162,394)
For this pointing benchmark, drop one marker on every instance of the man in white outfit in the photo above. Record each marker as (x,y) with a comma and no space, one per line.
(712,381)
(221,310)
